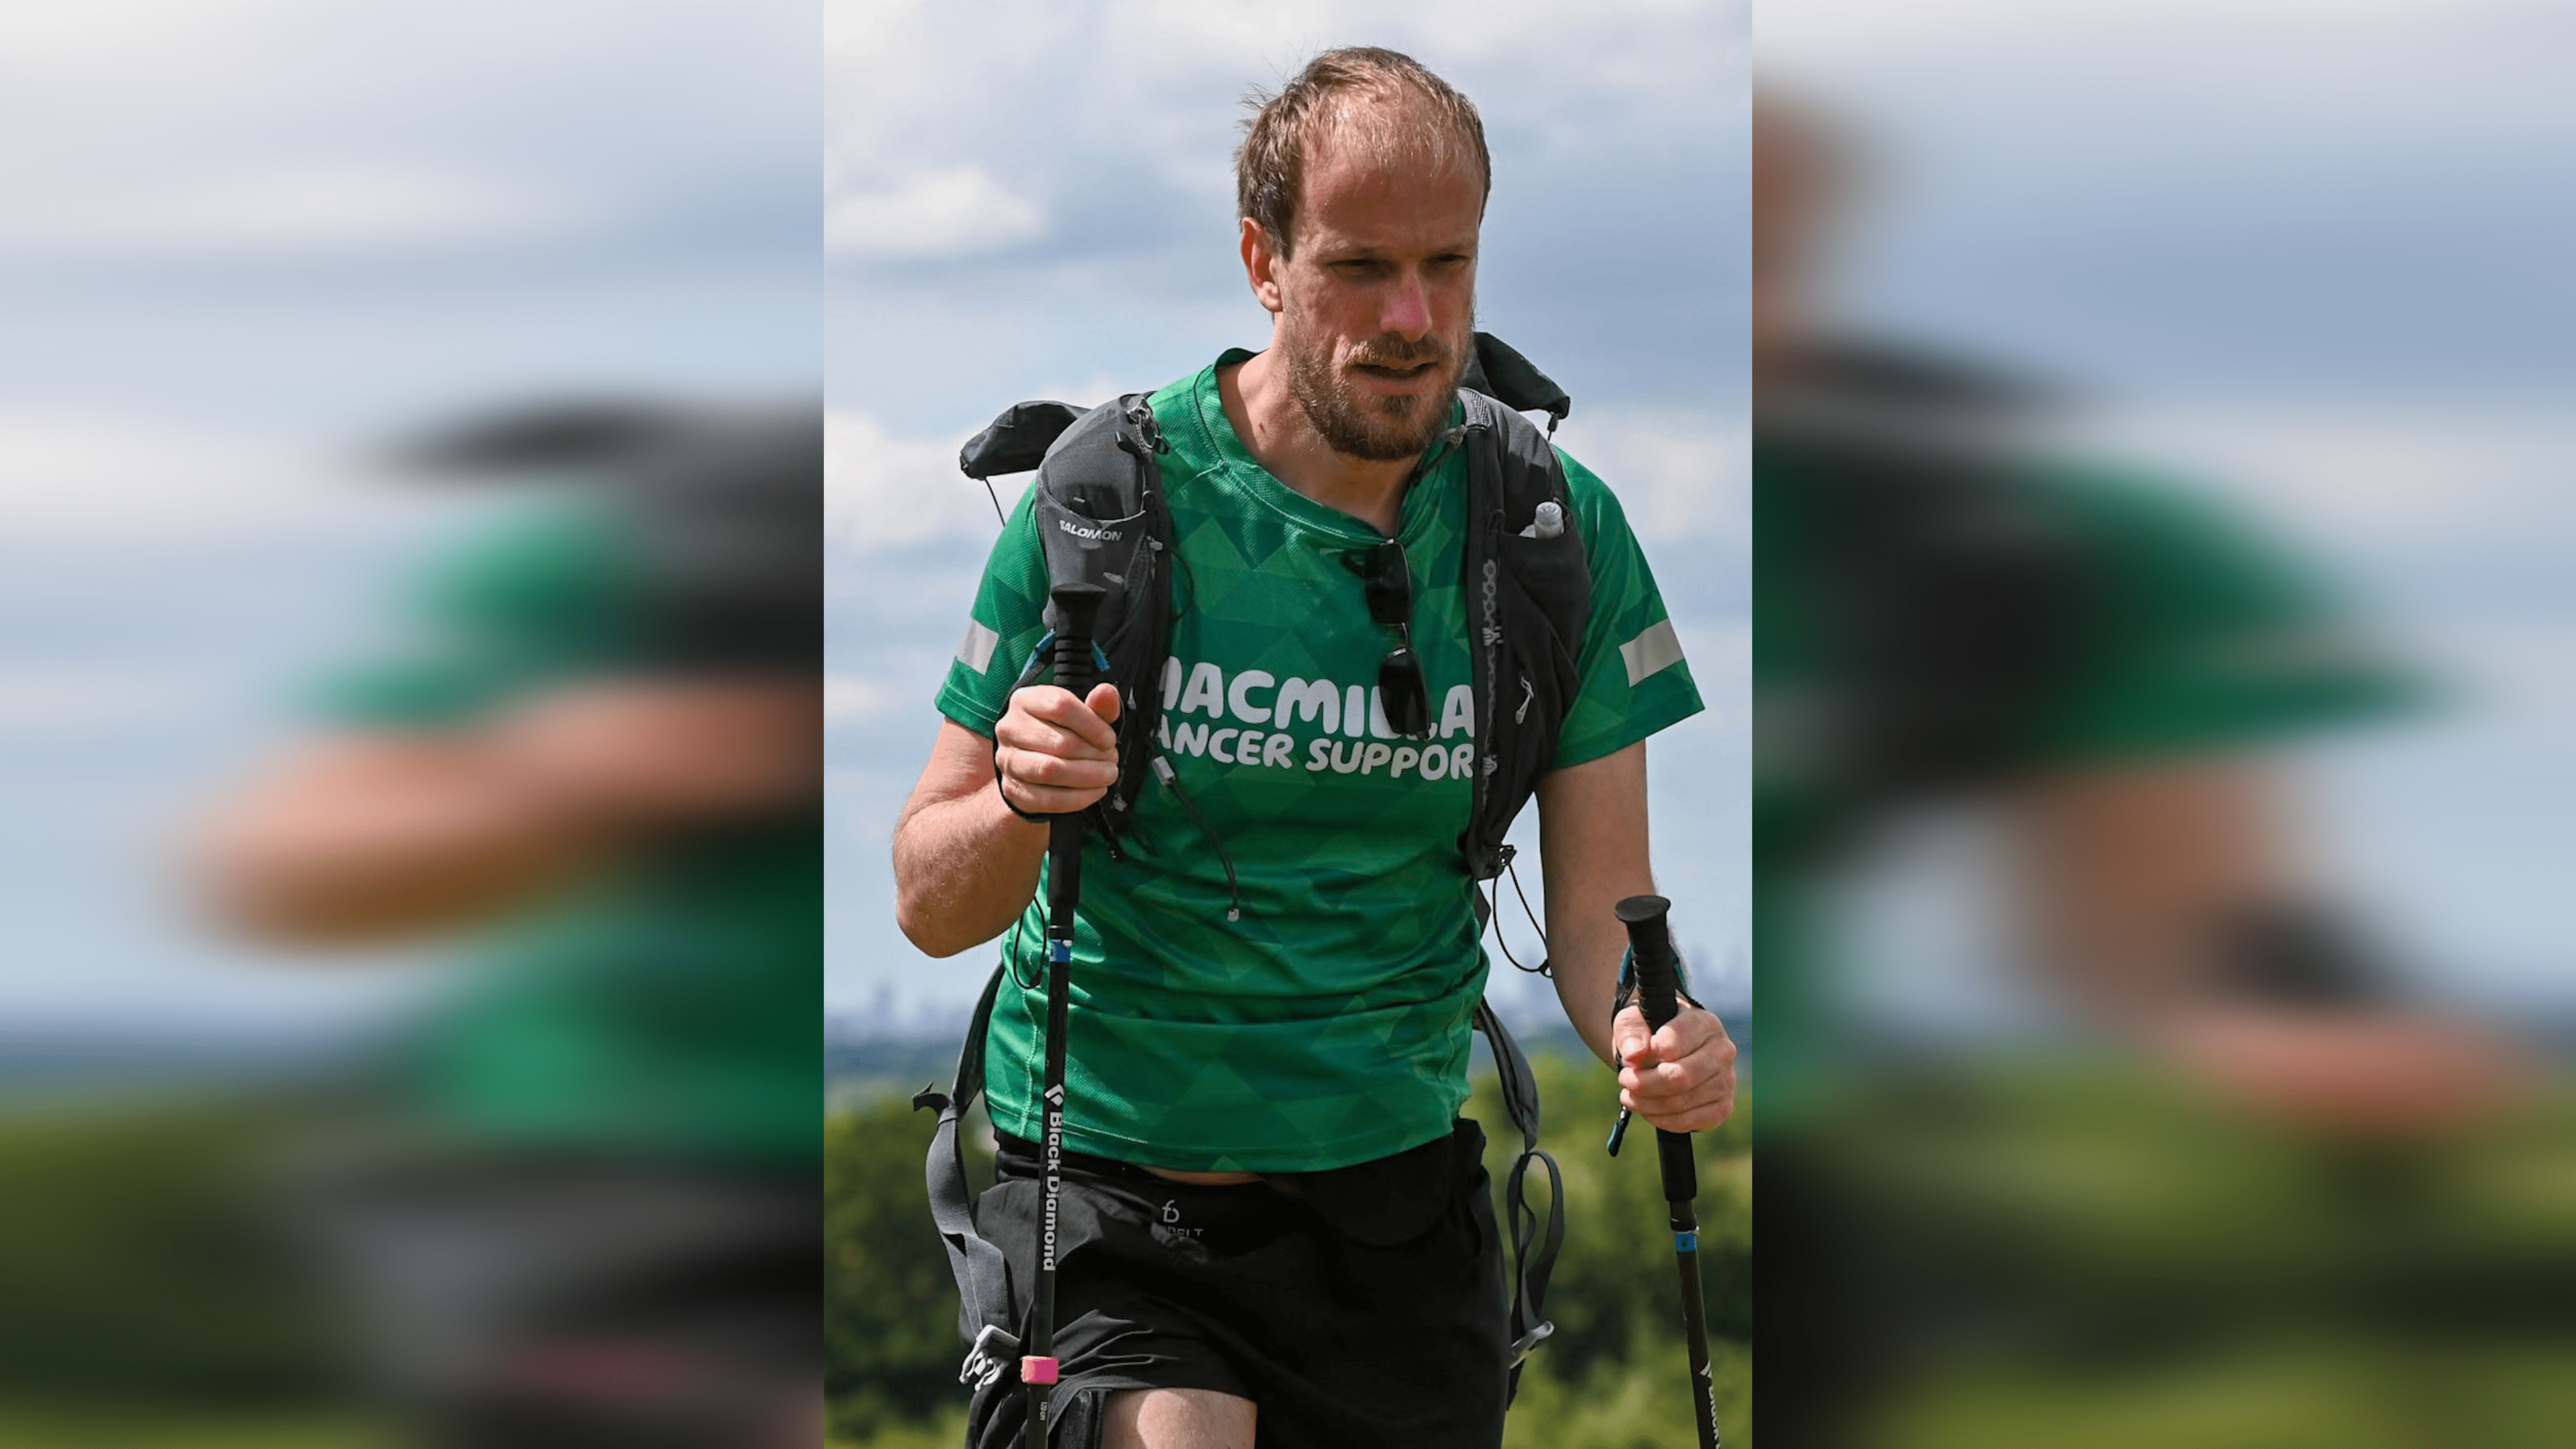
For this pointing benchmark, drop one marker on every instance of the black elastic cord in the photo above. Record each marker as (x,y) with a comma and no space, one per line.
(1006,794)
(1513,870)
(1494,918)
(1234,893)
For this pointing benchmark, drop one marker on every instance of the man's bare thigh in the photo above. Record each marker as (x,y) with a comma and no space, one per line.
(1178,1419)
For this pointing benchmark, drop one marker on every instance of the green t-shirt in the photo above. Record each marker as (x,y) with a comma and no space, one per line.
(1331,1023)
(2196,638)
(666,1008)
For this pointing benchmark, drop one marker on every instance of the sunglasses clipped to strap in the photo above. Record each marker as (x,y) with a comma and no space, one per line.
(1403,693)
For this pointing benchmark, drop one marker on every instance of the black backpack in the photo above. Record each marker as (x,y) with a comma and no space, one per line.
(1103,518)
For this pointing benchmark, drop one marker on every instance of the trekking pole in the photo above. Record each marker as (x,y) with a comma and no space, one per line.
(1076,606)
(1651,946)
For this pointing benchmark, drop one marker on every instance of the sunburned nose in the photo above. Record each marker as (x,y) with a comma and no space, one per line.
(1407,310)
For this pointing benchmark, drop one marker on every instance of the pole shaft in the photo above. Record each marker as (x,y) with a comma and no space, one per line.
(1076,606)
(1695,1323)
(1650,945)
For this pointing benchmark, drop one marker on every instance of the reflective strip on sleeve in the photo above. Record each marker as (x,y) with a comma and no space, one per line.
(976,650)
(1657,648)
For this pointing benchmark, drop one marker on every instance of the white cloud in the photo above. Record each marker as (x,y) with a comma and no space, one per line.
(960,211)
(2205,79)
(53,701)
(288,211)
(93,476)
(853,699)
(884,491)
(2408,481)
(1151,88)
(53,34)
(1854,27)
(1679,473)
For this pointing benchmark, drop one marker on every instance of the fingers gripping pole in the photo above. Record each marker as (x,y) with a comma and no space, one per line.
(1658,996)
(1077,607)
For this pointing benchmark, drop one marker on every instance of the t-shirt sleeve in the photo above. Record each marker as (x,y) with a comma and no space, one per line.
(2200,636)
(513,608)
(1634,678)
(1003,628)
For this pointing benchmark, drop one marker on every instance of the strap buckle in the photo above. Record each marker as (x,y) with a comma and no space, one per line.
(1522,1345)
(996,1349)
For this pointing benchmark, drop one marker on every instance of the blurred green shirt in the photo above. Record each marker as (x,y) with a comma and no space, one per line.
(666,1008)
(2196,638)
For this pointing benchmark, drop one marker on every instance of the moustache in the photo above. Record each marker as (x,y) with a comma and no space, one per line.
(1397,352)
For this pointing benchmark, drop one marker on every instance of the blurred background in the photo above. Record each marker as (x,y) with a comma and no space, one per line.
(2167,1018)
(250,245)
(1029,200)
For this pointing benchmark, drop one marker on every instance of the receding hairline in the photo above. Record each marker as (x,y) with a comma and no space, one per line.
(1404,115)
(1396,132)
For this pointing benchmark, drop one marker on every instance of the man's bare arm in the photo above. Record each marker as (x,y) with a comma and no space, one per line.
(964,864)
(372,837)
(1593,839)
(1593,836)
(2131,872)
(2139,880)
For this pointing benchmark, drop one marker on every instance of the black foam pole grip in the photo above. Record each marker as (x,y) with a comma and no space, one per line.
(1077,608)
(1650,943)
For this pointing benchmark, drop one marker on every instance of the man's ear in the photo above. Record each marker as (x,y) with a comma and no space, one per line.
(1261,264)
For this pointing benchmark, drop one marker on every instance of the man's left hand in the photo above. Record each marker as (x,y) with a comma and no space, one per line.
(1682,1078)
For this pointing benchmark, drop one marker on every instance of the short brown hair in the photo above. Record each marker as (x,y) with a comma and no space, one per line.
(1270,165)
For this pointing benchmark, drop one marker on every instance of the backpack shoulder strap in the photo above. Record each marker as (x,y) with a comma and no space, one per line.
(1529,596)
(982,1273)
(1533,1255)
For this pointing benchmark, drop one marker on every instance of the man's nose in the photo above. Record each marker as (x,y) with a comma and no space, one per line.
(1407,308)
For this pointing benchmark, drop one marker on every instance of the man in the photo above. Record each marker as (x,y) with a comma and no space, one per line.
(588,1214)
(1279,1229)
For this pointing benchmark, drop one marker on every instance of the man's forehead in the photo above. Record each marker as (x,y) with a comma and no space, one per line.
(1354,189)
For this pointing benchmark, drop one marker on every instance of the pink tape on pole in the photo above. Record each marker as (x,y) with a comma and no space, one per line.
(1037,1370)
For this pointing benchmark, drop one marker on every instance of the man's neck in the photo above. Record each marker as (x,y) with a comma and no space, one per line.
(1267,418)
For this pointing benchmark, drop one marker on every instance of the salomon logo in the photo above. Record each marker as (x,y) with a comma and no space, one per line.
(1094,535)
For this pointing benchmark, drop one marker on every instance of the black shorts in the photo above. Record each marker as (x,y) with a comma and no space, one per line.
(532,1299)
(1359,1308)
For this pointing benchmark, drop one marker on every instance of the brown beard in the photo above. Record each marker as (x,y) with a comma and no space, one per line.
(1389,430)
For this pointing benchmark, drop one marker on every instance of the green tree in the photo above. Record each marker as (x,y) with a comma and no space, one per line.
(889,1306)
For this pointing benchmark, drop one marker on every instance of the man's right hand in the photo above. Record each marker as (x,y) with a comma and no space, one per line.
(1057,754)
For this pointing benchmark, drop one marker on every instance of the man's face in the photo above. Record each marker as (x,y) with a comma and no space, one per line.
(1377,302)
